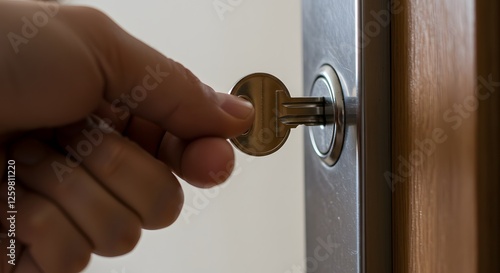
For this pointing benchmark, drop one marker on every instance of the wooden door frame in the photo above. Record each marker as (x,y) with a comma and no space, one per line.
(445,120)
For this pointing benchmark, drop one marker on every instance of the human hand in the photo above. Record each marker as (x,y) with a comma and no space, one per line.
(82,187)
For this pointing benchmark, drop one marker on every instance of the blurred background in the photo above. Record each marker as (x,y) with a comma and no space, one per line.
(254,222)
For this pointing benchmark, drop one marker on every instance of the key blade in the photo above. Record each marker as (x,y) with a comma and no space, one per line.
(292,112)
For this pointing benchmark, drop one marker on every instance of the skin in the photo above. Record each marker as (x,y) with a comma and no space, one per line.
(68,81)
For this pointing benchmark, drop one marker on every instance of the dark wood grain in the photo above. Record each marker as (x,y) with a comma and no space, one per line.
(434,146)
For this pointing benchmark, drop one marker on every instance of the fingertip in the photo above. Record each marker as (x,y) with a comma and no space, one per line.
(166,207)
(207,162)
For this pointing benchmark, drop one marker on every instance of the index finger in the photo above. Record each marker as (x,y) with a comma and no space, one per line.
(131,76)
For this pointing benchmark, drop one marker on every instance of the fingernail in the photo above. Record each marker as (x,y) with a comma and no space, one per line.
(28,152)
(235,106)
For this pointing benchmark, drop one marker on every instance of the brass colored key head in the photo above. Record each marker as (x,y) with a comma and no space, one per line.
(266,134)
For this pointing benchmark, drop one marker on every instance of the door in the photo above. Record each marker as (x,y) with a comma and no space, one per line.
(416,185)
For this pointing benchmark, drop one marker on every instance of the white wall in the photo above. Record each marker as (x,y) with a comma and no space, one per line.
(256,222)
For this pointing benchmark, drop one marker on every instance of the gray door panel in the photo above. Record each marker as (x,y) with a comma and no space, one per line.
(348,205)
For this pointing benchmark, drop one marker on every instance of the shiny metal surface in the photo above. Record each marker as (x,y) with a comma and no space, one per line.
(322,136)
(348,205)
(328,139)
(276,113)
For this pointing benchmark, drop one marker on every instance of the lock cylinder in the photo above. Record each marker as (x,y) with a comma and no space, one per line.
(327,139)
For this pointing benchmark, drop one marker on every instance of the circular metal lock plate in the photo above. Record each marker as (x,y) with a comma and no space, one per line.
(327,140)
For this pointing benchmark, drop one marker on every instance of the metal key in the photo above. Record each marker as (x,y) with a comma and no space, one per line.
(276,113)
